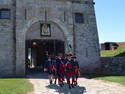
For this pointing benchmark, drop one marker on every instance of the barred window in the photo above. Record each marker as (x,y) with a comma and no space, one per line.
(5,13)
(79,18)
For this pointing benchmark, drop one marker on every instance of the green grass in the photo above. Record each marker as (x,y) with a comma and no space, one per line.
(15,86)
(109,53)
(117,79)
(110,78)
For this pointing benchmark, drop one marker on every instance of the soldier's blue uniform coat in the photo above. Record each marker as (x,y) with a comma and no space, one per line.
(72,63)
(67,67)
(66,60)
(48,65)
(63,60)
(76,63)
(58,61)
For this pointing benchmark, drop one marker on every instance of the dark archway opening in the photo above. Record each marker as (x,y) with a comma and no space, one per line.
(37,51)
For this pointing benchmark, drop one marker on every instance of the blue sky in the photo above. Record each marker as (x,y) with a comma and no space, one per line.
(110,15)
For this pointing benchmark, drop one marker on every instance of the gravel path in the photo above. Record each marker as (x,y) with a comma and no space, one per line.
(86,86)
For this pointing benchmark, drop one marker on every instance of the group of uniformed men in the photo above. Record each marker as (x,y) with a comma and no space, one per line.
(61,68)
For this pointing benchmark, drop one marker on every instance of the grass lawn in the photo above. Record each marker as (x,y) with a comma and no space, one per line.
(109,53)
(117,79)
(15,86)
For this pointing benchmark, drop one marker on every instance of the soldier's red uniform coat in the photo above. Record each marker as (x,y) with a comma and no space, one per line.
(76,68)
(62,68)
(76,71)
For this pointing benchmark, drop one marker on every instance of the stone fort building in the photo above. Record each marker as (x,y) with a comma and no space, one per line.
(33,29)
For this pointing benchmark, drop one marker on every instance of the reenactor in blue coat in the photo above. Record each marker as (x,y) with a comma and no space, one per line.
(59,64)
(76,69)
(49,68)
(69,70)
(62,67)
(54,69)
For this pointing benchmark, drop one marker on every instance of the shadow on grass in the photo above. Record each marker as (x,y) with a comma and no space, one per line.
(121,54)
(66,90)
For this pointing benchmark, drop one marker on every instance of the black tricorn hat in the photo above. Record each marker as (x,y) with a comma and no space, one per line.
(74,57)
(69,54)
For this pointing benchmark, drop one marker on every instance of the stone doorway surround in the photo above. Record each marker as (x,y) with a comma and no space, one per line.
(21,37)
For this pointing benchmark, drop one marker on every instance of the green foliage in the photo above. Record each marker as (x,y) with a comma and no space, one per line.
(15,86)
(109,53)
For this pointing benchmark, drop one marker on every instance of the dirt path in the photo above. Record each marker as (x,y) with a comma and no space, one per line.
(86,86)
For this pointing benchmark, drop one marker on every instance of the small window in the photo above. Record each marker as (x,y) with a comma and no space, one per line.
(79,18)
(4,13)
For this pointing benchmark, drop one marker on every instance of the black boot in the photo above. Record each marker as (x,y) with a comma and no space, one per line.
(61,85)
(75,84)
(51,82)
(72,85)
(55,82)
(69,87)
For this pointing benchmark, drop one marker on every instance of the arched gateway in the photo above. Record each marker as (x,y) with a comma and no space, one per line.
(43,39)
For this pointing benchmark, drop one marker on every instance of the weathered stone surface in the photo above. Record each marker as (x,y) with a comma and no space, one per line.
(60,13)
(6,42)
(113,65)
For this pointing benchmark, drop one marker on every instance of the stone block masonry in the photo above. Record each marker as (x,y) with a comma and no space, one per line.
(26,15)
(7,41)
(113,65)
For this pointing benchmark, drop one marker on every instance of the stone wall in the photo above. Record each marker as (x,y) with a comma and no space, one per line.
(86,38)
(113,65)
(82,37)
(60,12)
(29,12)
(7,41)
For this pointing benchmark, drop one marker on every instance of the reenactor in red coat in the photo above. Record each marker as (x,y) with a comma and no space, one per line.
(49,68)
(76,68)
(60,69)
(69,70)
(55,70)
